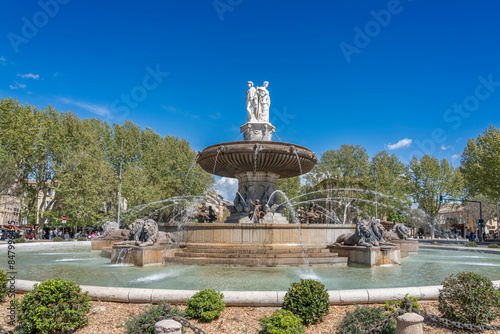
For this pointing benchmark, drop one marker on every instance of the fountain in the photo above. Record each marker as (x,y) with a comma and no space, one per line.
(257,233)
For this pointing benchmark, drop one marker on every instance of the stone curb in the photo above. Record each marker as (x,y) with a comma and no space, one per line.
(249,298)
(46,244)
(462,248)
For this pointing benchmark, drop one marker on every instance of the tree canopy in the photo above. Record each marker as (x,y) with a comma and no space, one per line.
(80,160)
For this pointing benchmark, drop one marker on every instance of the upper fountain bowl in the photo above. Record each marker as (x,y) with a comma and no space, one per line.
(232,158)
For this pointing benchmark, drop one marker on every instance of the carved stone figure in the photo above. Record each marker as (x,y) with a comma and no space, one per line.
(252,101)
(108,227)
(313,216)
(202,216)
(302,216)
(145,233)
(211,214)
(378,234)
(257,212)
(264,102)
(362,237)
(401,230)
(398,232)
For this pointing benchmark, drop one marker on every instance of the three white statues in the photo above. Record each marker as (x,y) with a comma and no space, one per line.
(258,103)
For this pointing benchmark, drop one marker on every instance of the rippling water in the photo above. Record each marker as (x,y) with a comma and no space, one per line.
(76,262)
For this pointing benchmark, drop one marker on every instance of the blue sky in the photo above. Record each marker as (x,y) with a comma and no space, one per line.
(411,77)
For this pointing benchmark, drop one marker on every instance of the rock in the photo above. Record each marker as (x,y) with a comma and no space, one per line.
(168,326)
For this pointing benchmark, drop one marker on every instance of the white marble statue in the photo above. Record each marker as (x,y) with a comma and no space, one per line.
(252,103)
(264,103)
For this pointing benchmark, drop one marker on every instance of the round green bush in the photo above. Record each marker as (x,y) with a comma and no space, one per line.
(471,244)
(364,318)
(54,306)
(493,246)
(81,239)
(282,322)
(469,298)
(3,286)
(134,324)
(205,305)
(20,241)
(308,299)
(57,239)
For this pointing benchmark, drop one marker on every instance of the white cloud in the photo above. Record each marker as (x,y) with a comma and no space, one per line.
(444,148)
(3,60)
(29,76)
(227,187)
(455,157)
(93,108)
(17,85)
(402,143)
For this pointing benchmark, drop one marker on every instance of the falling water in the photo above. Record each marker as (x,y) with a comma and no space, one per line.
(122,255)
(287,204)
(255,158)
(244,202)
(217,156)
(298,159)
(192,165)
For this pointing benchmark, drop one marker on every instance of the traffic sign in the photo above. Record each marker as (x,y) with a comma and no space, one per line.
(64,219)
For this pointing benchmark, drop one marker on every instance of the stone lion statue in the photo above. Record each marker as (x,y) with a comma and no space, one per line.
(362,237)
(398,232)
(401,230)
(378,234)
(145,233)
(112,231)
(108,227)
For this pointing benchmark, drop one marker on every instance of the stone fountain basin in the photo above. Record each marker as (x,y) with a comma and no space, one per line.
(239,156)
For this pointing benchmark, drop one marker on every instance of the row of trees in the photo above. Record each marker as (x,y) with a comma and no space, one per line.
(80,160)
(348,173)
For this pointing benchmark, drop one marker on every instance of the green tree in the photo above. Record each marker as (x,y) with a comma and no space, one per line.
(392,181)
(290,186)
(428,179)
(480,164)
(339,174)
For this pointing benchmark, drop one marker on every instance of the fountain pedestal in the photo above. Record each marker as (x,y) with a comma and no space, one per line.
(407,246)
(369,256)
(142,256)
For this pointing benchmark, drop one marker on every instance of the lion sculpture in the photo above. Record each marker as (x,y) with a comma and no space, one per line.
(145,233)
(378,233)
(362,237)
(112,231)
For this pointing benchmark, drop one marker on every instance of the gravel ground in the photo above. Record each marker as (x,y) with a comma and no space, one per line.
(108,317)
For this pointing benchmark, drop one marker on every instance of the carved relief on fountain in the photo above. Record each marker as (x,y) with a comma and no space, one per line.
(253,186)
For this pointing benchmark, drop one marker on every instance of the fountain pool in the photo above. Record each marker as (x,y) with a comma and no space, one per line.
(75,261)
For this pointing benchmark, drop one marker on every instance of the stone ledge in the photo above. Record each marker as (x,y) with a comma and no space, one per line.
(250,298)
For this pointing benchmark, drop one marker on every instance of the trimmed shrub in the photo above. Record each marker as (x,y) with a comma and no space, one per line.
(308,299)
(471,244)
(3,286)
(57,239)
(493,246)
(363,318)
(205,305)
(54,306)
(20,241)
(282,322)
(82,239)
(394,305)
(134,324)
(469,298)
